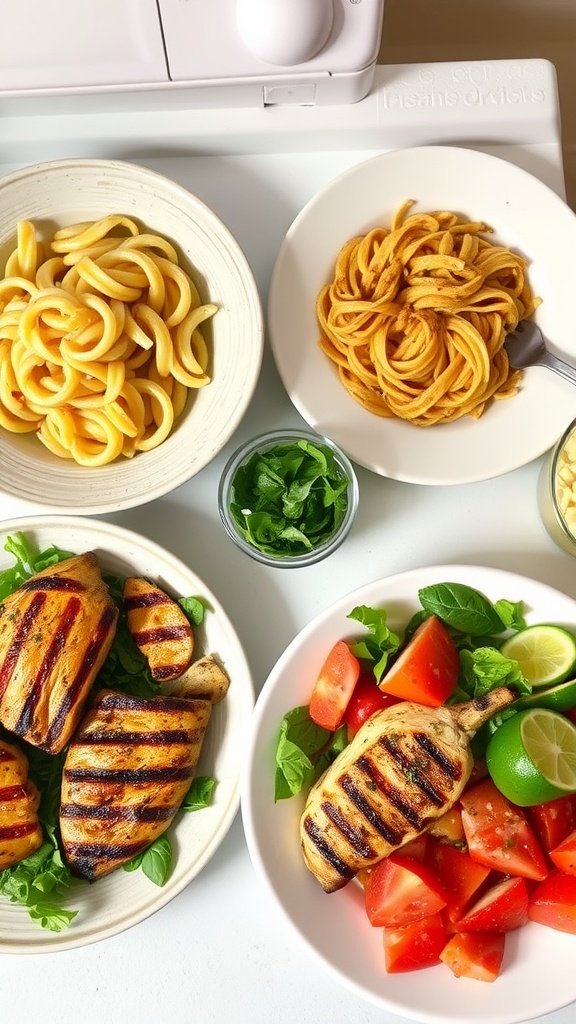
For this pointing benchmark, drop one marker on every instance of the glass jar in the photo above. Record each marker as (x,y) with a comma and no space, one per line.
(270,509)
(557,491)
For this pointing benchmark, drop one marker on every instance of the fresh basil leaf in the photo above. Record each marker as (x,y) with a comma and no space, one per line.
(416,620)
(156,862)
(303,750)
(51,916)
(27,561)
(298,738)
(483,670)
(195,609)
(200,793)
(511,613)
(135,863)
(330,753)
(462,607)
(380,643)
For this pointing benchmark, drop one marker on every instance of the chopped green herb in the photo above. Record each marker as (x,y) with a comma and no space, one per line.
(289,499)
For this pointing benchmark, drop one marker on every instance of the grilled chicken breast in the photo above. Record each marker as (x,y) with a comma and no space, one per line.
(20,830)
(55,632)
(160,628)
(204,679)
(126,773)
(406,766)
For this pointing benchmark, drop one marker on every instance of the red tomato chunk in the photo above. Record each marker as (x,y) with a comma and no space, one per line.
(498,834)
(414,946)
(334,687)
(502,908)
(553,821)
(426,671)
(563,856)
(461,876)
(365,701)
(553,902)
(400,890)
(477,955)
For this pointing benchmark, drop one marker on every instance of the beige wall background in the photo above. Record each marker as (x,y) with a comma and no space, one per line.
(445,30)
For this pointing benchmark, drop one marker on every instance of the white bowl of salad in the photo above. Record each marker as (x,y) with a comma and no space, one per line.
(34,916)
(467,910)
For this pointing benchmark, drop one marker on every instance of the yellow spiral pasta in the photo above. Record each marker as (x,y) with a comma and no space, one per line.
(100,339)
(416,317)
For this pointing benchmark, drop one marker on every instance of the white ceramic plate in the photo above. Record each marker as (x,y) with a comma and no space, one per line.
(525,214)
(122,899)
(534,980)
(64,192)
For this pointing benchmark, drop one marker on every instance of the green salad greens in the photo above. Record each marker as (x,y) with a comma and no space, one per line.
(290,498)
(478,628)
(41,882)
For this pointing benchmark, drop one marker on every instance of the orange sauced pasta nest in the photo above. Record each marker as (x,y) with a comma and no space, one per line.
(100,340)
(416,317)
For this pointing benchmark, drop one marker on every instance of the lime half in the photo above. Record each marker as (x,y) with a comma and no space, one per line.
(546,654)
(561,697)
(532,757)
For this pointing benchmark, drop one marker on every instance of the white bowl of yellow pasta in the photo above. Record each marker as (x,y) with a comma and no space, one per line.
(131,335)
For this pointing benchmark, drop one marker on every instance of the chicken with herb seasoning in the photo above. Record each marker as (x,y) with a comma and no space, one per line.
(55,632)
(406,766)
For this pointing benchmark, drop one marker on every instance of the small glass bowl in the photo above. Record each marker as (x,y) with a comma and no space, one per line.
(557,508)
(262,444)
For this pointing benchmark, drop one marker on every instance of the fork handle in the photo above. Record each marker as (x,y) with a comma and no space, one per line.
(559,366)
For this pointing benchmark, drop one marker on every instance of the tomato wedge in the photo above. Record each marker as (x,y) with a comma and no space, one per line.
(426,670)
(553,902)
(563,856)
(334,687)
(367,698)
(477,955)
(498,834)
(553,821)
(415,946)
(400,890)
(502,908)
(460,876)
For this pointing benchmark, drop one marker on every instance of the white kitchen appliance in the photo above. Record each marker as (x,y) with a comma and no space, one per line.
(196,53)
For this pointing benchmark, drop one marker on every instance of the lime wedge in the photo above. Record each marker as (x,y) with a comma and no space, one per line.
(532,757)
(561,697)
(546,654)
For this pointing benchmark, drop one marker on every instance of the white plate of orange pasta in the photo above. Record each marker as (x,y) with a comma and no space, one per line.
(389,305)
(130,335)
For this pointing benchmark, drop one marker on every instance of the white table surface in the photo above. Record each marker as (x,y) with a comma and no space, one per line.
(220,952)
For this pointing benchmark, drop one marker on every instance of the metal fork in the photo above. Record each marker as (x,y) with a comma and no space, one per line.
(526,347)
